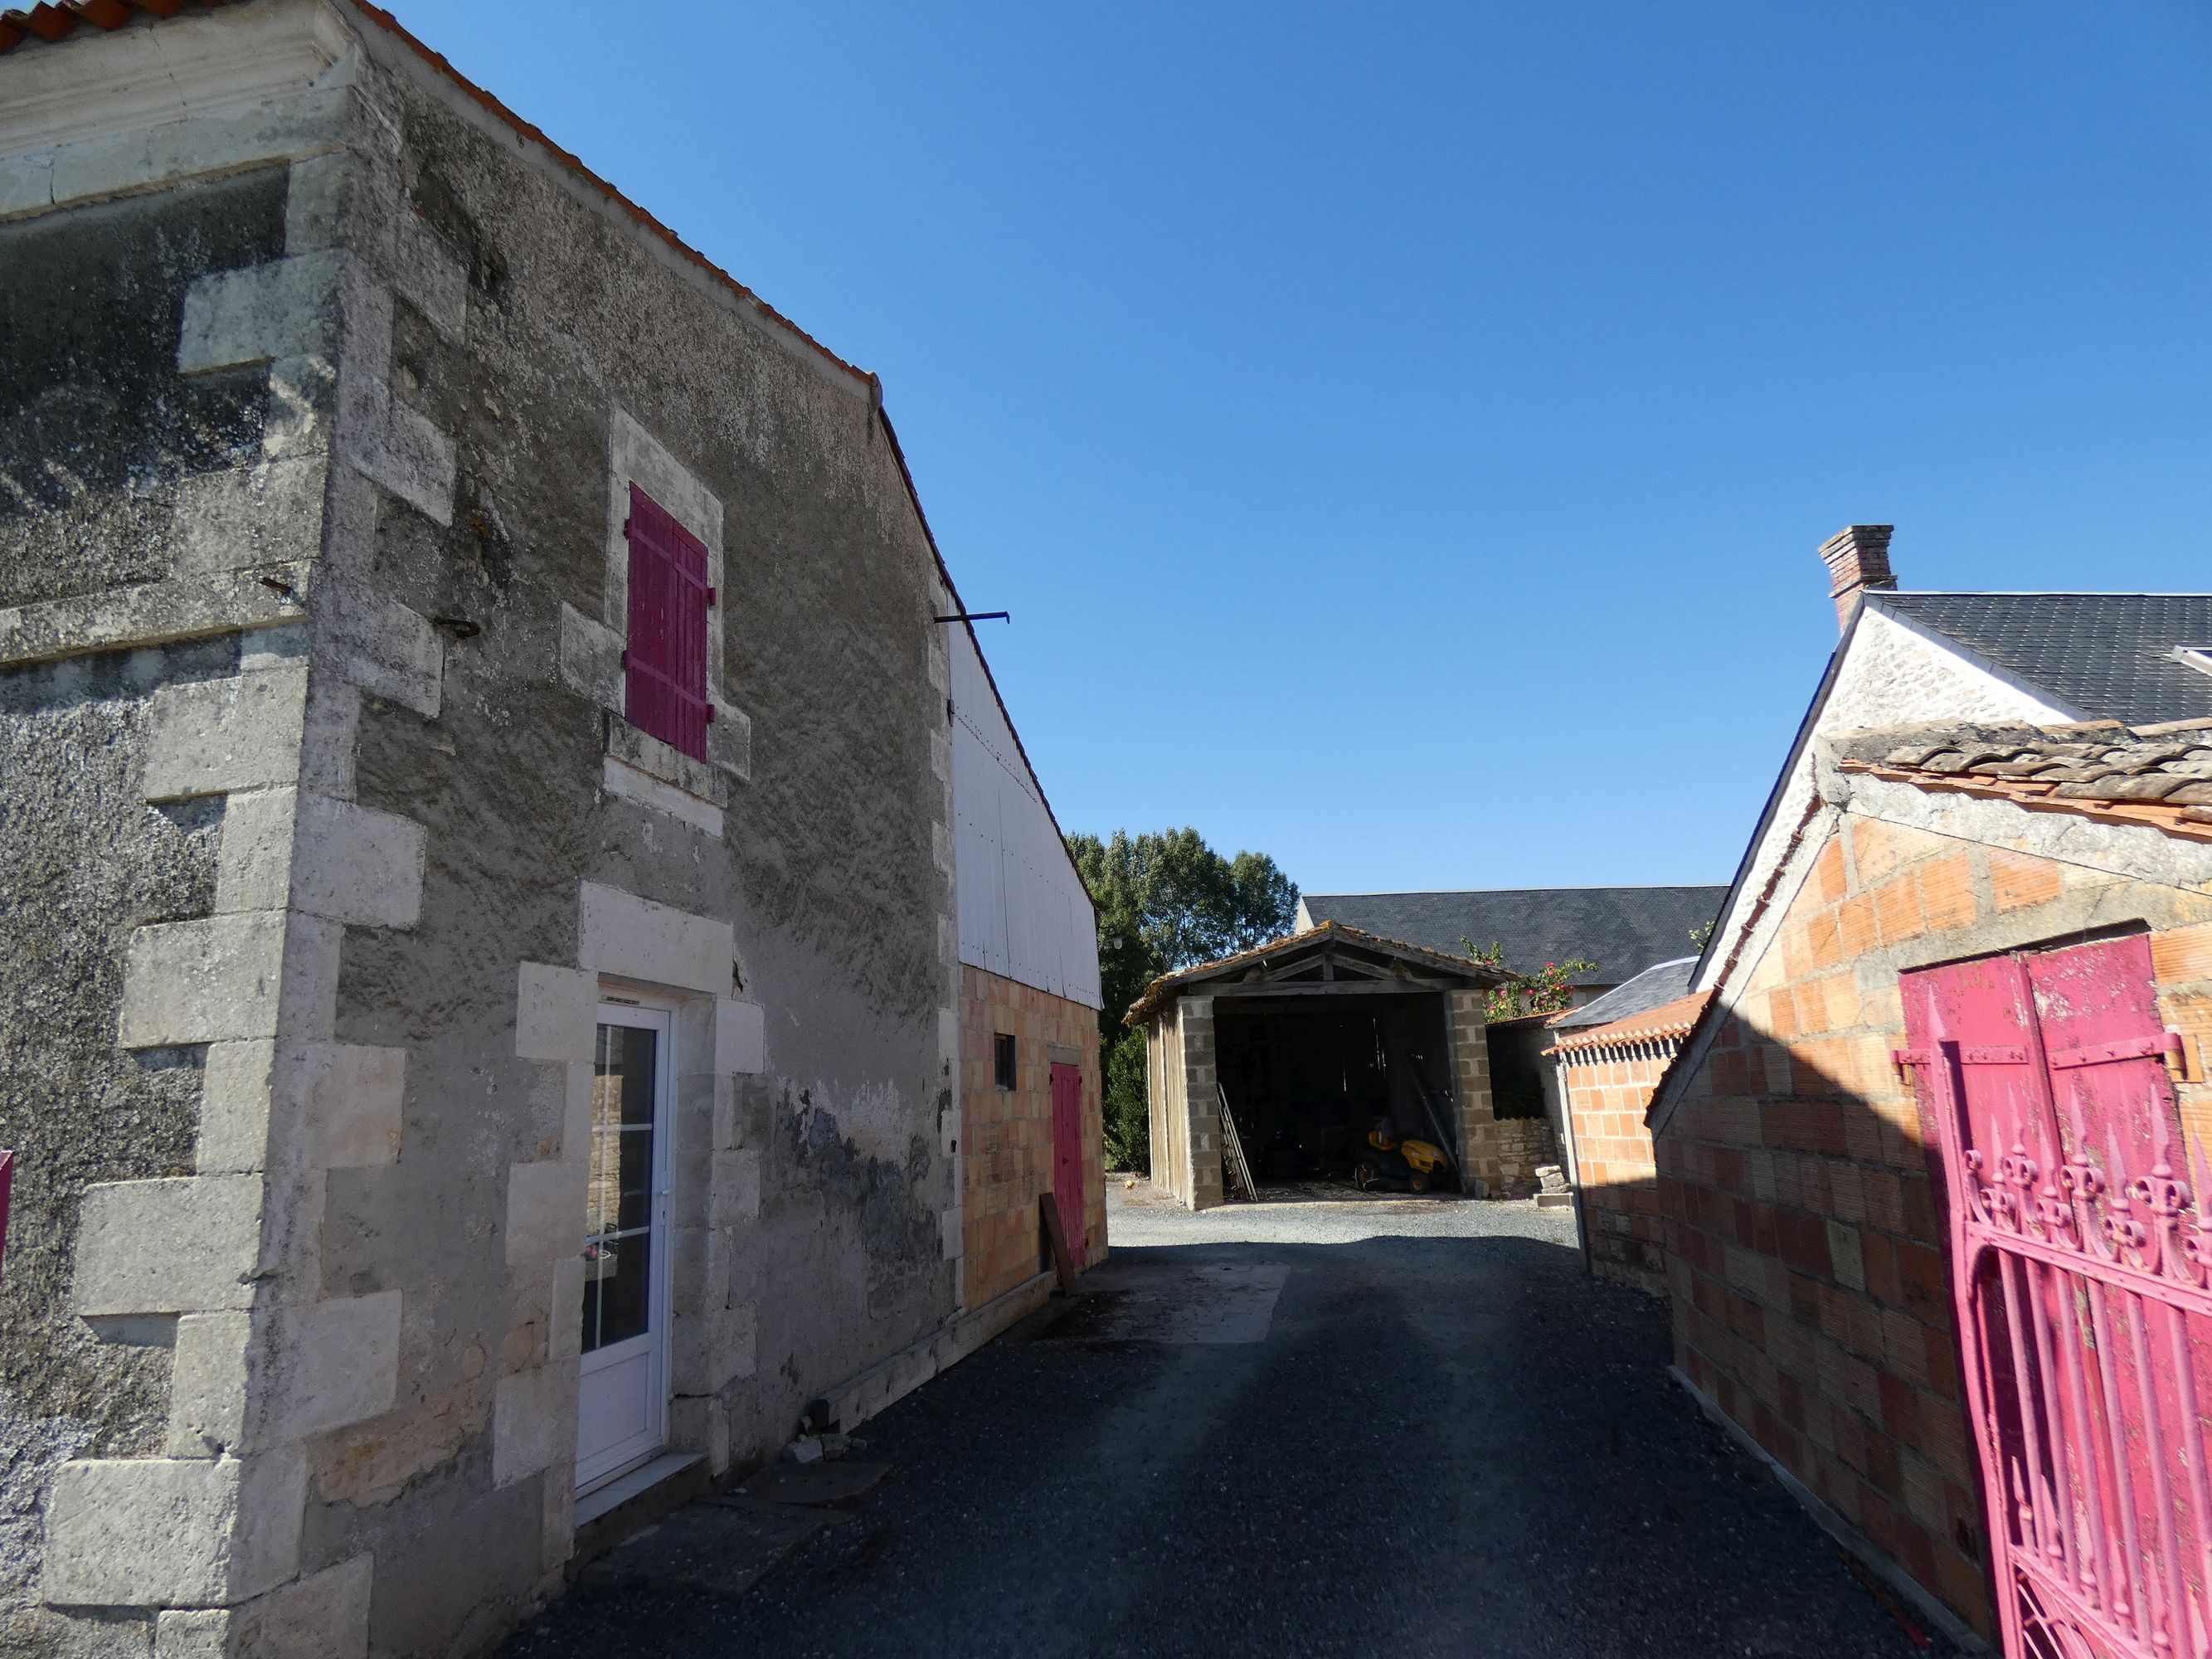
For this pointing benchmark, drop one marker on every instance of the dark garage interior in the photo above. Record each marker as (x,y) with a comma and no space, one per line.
(1308,1076)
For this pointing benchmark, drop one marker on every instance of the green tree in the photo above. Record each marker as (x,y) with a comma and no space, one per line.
(1165,900)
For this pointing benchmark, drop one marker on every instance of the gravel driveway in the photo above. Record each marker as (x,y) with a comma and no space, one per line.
(1375,1427)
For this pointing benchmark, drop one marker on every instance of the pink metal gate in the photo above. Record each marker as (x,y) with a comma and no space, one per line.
(2079,1273)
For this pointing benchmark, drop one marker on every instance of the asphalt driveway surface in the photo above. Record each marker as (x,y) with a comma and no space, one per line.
(1412,1427)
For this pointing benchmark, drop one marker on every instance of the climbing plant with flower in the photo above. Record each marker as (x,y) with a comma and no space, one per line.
(1549,990)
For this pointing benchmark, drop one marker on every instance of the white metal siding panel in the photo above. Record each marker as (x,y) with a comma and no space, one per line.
(1024,914)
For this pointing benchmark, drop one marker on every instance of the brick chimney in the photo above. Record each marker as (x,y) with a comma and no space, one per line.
(1858,558)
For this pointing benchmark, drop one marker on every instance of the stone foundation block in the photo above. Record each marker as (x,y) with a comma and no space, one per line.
(181,1245)
(555,1013)
(740,1036)
(214,737)
(169,1531)
(534,1422)
(209,980)
(355,1098)
(324,1615)
(545,1211)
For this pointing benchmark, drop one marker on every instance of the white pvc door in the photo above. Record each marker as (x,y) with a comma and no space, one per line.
(621,1406)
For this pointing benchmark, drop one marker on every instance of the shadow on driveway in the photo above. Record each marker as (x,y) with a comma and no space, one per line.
(1420,1445)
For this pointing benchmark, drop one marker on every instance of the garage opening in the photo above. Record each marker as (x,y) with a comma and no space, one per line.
(1307,1079)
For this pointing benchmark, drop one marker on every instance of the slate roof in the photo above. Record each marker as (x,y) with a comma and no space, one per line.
(1291,945)
(1677,1018)
(2158,775)
(1622,929)
(1662,982)
(2103,656)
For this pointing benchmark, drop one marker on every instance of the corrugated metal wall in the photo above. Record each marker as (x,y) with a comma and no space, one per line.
(1023,910)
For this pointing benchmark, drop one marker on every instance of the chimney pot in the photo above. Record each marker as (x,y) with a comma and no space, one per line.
(1858,558)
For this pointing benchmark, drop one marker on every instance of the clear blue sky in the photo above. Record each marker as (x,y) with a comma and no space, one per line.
(1402,433)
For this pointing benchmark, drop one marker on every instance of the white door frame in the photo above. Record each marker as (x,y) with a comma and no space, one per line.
(639,1010)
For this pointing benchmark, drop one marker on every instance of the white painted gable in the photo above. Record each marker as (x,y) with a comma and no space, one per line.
(1024,913)
(1892,674)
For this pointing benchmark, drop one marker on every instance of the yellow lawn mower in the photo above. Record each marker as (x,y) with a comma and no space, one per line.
(1399,1166)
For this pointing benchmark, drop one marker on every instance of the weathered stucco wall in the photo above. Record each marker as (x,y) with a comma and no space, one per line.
(812,1197)
(331,834)
(121,462)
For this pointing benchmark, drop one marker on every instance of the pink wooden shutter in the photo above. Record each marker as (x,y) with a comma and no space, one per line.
(667,661)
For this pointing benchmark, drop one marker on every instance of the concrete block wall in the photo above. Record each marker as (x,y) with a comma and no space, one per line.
(1008,1158)
(1198,1129)
(1805,1258)
(1484,1153)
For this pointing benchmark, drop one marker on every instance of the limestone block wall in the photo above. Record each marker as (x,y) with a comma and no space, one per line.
(1521,1144)
(1008,1158)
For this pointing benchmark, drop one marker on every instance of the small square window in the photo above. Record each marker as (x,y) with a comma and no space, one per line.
(1002,1061)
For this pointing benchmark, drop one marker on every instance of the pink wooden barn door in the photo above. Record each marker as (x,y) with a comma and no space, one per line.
(1068,1158)
(2079,1265)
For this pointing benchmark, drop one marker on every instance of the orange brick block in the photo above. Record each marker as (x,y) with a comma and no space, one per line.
(1823,940)
(1828,871)
(1782,1012)
(1855,927)
(1897,910)
(1947,893)
(2181,954)
(1875,850)
(2021,881)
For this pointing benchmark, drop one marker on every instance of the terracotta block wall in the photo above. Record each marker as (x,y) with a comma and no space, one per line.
(1616,1180)
(1006,1151)
(1799,1179)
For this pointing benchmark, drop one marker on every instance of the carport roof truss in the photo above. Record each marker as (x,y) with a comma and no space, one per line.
(1330,960)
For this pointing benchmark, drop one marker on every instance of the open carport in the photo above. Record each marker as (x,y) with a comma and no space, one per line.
(1312,1041)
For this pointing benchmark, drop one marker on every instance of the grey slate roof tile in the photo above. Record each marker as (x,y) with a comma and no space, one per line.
(1622,929)
(1655,988)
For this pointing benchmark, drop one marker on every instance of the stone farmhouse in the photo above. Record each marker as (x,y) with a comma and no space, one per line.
(536,964)
(1923,1128)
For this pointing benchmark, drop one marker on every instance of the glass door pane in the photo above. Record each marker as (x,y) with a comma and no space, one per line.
(618,1215)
